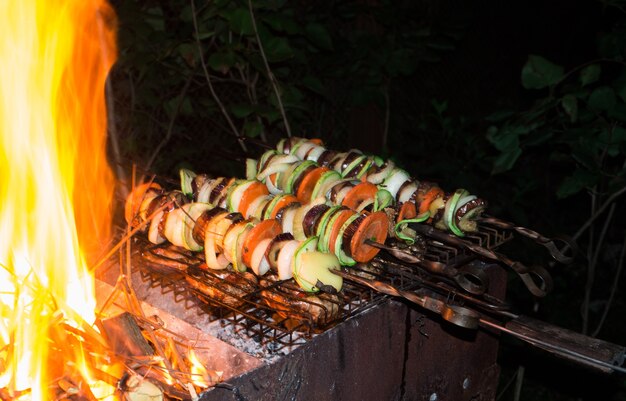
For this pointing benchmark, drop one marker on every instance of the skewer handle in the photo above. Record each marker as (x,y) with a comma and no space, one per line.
(549,243)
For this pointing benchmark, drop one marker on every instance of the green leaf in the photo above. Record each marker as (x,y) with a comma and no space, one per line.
(155,18)
(282,23)
(539,137)
(314,84)
(241,110)
(171,106)
(585,154)
(239,21)
(590,74)
(186,14)
(252,129)
(319,36)
(401,62)
(503,140)
(277,49)
(618,112)
(602,98)
(570,105)
(440,43)
(271,114)
(439,106)
(506,160)
(203,35)
(222,61)
(612,139)
(576,182)
(620,86)
(539,73)
(499,116)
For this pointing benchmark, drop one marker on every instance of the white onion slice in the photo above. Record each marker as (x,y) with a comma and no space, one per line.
(174,227)
(364,204)
(316,153)
(258,255)
(230,241)
(395,181)
(204,192)
(379,176)
(342,193)
(328,185)
(287,220)
(274,190)
(254,205)
(264,266)
(258,209)
(271,169)
(212,184)
(210,254)
(338,161)
(463,201)
(407,191)
(304,149)
(284,259)
(145,205)
(153,231)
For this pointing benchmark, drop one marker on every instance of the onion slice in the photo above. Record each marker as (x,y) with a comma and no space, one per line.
(285,257)
(259,263)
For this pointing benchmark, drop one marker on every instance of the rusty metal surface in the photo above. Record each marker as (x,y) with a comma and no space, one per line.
(390,352)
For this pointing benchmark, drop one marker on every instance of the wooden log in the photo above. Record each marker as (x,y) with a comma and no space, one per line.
(125,337)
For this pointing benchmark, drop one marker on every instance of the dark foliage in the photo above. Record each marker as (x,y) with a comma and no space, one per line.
(521,102)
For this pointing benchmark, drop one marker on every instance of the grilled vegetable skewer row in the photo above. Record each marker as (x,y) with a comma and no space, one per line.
(229,238)
(418,201)
(375,170)
(414,201)
(341,231)
(325,221)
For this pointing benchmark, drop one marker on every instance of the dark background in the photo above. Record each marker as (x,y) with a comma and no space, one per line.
(446,88)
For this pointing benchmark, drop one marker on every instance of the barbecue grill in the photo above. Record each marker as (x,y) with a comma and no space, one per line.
(374,348)
(365,342)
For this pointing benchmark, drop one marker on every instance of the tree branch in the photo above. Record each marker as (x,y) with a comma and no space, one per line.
(270,74)
(170,128)
(607,307)
(591,270)
(600,210)
(208,79)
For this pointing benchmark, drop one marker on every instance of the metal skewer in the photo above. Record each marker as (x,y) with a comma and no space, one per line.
(470,319)
(471,280)
(526,273)
(454,314)
(548,243)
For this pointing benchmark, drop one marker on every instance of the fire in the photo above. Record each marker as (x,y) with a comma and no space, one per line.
(56,186)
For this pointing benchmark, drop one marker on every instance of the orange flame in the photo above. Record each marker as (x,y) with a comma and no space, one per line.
(56,186)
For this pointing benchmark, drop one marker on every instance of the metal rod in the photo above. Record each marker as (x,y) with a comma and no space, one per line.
(549,346)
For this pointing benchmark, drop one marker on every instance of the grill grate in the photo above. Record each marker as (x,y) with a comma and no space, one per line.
(272,312)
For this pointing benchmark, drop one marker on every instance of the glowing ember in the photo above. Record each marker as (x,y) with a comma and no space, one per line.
(56,186)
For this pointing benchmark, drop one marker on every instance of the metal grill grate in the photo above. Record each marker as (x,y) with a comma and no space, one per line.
(273,312)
